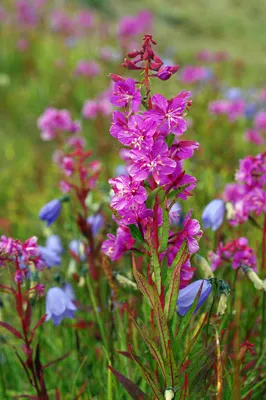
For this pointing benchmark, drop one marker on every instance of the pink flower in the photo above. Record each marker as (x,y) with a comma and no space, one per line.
(237,252)
(115,246)
(168,114)
(260,121)
(191,233)
(125,94)
(90,109)
(193,74)
(53,121)
(89,69)
(127,192)
(153,161)
(254,136)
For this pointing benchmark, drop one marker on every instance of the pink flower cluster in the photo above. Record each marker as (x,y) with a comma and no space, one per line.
(88,69)
(235,252)
(21,255)
(54,122)
(74,25)
(100,106)
(154,157)
(233,109)
(135,25)
(248,196)
(193,74)
(257,134)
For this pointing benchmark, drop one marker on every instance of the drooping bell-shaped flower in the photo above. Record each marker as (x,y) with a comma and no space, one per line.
(187,295)
(50,211)
(59,305)
(213,214)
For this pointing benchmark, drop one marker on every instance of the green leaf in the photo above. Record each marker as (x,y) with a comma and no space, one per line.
(151,198)
(151,379)
(145,288)
(164,229)
(135,233)
(133,390)
(176,192)
(151,344)
(156,268)
(161,325)
(172,292)
(170,139)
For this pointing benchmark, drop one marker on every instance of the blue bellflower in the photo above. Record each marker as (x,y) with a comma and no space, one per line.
(213,214)
(53,242)
(59,305)
(50,257)
(96,223)
(50,211)
(187,296)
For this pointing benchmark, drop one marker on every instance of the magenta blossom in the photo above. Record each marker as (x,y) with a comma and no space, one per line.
(153,161)
(252,170)
(166,71)
(168,114)
(53,121)
(87,68)
(260,121)
(125,94)
(193,74)
(235,252)
(191,233)
(127,192)
(115,246)
(254,136)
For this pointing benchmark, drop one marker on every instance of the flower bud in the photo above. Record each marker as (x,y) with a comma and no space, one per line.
(204,266)
(222,305)
(166,72)
(258,283)
(169,394)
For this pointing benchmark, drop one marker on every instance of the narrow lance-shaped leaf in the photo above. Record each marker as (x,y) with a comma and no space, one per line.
(176,192)
(39,323)
(151,344)
(11,329)
(143,285)
(164,229)
(156,268)
(172,292)
(135,233)
(172,366)
(162,325)
(150,378)
(133,390)
(151,198)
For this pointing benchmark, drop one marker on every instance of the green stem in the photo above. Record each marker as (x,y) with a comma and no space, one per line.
(96,312)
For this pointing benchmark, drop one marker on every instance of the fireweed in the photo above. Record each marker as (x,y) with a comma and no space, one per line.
(24,261)
(150,126)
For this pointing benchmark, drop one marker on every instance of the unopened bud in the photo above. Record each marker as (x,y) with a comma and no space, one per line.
(222,305)
(169,394)
(116,77)
(258,283)
(204,266)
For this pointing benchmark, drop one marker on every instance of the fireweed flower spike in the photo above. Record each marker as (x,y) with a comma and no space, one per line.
(213,214)
(187,295)
(59,305)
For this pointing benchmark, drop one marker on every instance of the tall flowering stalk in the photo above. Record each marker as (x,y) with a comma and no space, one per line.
(24,260)
(141,204)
